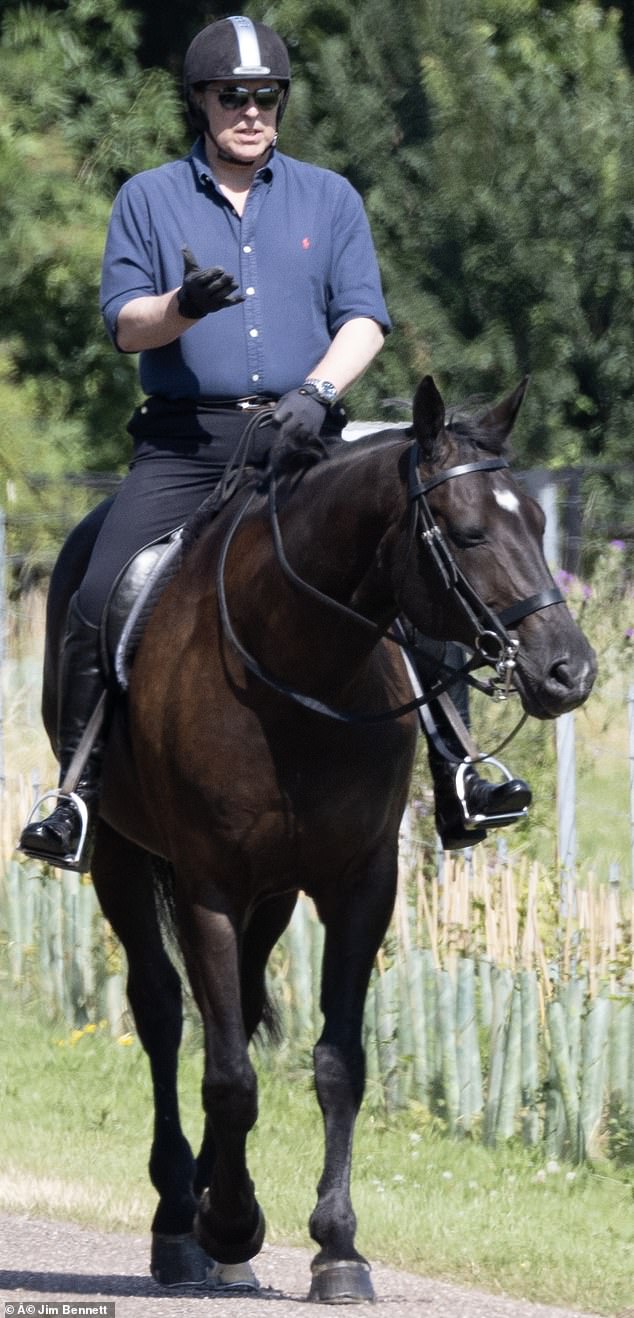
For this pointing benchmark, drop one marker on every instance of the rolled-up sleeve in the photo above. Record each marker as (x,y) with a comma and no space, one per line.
(127,271)
(355,278)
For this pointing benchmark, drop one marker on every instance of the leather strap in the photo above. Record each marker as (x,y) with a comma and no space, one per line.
(73,774)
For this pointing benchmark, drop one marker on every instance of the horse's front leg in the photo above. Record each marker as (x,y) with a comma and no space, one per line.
(229,1224)
(267,923)
(124,883)
(356,919)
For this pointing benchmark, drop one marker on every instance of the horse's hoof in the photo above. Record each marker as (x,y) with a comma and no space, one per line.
(236,1277)
(341,1282)
(230,1251)
(180,1261)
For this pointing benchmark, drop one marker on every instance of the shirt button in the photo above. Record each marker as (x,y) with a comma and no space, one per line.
(249,291)
(247,248)
(254,333)
(255,377)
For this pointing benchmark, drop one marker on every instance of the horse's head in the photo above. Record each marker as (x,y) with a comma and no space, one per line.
(479,555)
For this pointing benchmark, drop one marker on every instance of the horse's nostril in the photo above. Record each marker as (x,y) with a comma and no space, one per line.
(560,673)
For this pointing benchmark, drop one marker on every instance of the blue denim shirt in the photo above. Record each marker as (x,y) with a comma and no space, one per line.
(302,254)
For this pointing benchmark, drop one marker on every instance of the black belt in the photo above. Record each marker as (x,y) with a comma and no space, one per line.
(184,418)
(250,403)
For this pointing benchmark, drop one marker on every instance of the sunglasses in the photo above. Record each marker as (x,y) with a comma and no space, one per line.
(235,98)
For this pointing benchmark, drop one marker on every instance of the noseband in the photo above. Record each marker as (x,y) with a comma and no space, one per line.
(490,638)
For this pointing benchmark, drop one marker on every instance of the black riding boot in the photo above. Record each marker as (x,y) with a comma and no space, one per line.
(465,804)
(64,838)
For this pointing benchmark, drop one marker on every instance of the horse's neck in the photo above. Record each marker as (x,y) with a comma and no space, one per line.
(332,526)
(335,525)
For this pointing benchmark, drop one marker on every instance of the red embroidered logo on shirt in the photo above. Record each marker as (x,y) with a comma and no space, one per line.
(305,243)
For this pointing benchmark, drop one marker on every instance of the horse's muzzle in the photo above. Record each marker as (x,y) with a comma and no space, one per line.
(566,684)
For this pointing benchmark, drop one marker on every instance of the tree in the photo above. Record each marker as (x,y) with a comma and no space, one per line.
(77,115)
(531,205)
(492,144)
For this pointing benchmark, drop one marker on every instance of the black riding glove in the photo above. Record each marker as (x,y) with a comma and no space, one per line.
(299,416)
(203,291)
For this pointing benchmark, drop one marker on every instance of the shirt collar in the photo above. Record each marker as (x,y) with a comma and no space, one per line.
(205,175)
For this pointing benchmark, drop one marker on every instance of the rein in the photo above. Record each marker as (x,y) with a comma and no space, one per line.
(492,641)
(308,702)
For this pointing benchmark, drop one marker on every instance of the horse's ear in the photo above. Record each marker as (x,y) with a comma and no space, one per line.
(499,421)
(429,414)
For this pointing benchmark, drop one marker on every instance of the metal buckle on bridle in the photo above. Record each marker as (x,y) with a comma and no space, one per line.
(502,654)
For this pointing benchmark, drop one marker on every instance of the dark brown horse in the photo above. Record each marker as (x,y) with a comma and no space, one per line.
(217,766)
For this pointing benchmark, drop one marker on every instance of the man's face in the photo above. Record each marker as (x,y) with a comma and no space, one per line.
(246,130)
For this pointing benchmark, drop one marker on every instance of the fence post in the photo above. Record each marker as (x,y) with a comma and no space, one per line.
(3,625)
(542,484)
(566,800)
(630,713)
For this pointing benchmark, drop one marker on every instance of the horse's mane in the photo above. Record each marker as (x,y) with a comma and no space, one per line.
(287,459)
(465,421)
(284,460)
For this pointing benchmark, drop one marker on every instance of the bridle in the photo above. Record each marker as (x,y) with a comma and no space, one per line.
(492,642)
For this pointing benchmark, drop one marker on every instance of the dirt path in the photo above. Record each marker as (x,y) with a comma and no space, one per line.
(58,1261)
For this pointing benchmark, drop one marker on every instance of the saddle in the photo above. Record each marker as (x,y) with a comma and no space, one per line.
(132,599)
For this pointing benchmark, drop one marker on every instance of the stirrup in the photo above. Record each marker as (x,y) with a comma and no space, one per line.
(478,820)
(73,859)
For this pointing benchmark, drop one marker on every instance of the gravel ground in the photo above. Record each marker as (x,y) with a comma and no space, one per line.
(51,1262)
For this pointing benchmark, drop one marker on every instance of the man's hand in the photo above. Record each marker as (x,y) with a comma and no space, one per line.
(299,417)
(203,291)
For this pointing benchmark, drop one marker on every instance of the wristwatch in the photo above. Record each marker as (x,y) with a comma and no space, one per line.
(321,389)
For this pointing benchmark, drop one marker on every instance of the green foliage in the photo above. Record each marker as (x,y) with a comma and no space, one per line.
(77,116)
(530,212)
(492,144)
(604,608)
(490,140)
(35,459)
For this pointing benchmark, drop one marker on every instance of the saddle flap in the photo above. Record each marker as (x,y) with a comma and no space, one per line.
(133,598)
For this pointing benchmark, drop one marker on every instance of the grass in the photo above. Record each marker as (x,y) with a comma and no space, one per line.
(79,1107)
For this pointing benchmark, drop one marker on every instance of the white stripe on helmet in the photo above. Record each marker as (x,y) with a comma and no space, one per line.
(248,49)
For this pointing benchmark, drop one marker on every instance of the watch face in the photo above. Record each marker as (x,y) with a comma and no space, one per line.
(323,389)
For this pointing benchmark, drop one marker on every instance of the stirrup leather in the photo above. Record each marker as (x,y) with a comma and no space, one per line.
(478,820)
(72,859)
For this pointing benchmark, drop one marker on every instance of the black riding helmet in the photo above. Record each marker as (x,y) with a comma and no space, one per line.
(234,48)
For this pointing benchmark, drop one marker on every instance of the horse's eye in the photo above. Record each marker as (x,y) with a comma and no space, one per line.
(466,537)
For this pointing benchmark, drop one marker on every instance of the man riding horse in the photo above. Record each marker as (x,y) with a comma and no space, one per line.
(283,251)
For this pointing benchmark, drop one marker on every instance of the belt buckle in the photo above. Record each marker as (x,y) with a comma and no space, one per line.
(254,404)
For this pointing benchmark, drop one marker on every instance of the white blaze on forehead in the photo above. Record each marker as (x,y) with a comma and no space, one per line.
(506,499)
